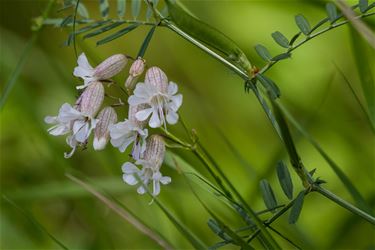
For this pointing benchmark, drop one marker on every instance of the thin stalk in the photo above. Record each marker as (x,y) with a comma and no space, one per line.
(311,36)
(25,53)
(344,204)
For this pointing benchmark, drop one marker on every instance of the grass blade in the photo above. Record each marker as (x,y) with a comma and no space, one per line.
(117,34)
(296,208)
(123,213)
(31,218)
(371,122)
(25,53)
(268,84)
(360,201)
(285,179)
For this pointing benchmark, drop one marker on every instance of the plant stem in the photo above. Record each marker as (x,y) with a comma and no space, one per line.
(311,36)
(344,204)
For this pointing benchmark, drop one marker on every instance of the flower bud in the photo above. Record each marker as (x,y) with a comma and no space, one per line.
(106,117)
(155,151)
(135,71)
(110,67)
(91,99)
(156,77)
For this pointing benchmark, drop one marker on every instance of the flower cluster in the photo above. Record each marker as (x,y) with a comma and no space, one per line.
(153,102)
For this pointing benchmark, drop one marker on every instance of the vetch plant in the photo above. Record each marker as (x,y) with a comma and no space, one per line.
(153,104)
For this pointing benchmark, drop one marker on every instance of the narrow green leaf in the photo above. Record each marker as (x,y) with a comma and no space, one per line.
(31,218)
(356,195)
(294,38)
(280,39)
(121,8)
(103,29)
(149,11)
(82,10)
(212,224)
(363,5)
(370,6)
(104,8)
(269,85)
(263,52)
(296,208)
(281,57)
(284,179)
(83,30)
(268,195)
(303,24)
(117,34)
(67,20)
(136,8)
(146,42)
(331,11)
(218,245)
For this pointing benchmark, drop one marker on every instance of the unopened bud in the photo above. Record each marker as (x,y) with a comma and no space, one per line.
(106,117)
(155,151)
(91,99)
(156,77)
(110,67)
(135,71)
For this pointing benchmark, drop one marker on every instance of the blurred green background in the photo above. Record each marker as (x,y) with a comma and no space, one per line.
(33,168)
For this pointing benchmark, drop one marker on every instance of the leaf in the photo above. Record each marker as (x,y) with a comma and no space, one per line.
(83,30)
(82,10)
(303,24)
(146,42)
(150,11)
(296,208)
(31,218)
(268,195)
(281,57)
(363,5)
(122,211)
(118,34)
(263,52)
(136,8)
(331,11)
(121,8)
(271,87)
(280,39)
(212,224)
(103,29)
(67,20)
(356,195)
(294,38)
(104,8)
(285,179)
(190,26)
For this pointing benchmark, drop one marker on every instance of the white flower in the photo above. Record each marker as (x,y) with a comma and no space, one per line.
(161,99)
(151,162)
(129,131)
(104,71)
(132,175)
(70,120)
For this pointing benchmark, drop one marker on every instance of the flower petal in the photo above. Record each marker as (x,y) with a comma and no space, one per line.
(172,88)
(172,117)
(143,114)
(155,120)
(129,179)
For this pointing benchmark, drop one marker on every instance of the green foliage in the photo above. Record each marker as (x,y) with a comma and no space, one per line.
(303,24)
(280,39)
(296,208)
(117,34)
(285,179)
(268,195)
(263,52)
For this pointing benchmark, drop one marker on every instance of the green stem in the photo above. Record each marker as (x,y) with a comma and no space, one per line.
(311,36)
(344,204)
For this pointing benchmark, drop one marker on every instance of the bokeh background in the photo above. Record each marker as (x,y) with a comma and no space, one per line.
(215,105)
